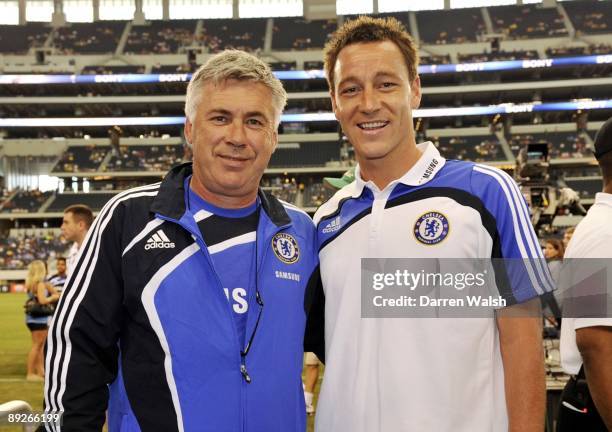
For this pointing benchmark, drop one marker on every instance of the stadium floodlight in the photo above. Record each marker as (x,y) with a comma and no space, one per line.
(409,5)
(190,9)
(9,12)
(458,4)
(39,10)
(270,8)
(116,9)
(351,7)
(78,10)
(153,9)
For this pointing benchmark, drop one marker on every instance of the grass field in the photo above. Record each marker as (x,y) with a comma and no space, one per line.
(15,343)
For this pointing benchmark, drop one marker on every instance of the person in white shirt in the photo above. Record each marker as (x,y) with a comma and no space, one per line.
(586,343)
(408,201)
(75,224)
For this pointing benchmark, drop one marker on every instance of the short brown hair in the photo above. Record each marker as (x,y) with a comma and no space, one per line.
(81,212)
(557,245)
(367,29)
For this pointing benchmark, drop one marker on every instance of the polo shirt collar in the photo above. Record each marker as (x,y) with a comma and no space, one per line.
(603,198)
(421,172)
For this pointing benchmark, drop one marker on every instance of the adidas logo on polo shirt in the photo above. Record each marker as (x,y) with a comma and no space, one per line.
(333,226)
(159,240)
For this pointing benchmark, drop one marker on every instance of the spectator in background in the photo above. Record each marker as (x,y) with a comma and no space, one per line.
(553,252)
(77,220)
(586,337)
(567,236)
(44,293)
(59,279)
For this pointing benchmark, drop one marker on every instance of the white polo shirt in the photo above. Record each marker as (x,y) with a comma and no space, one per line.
(72,258)
(401,374)
(592,239)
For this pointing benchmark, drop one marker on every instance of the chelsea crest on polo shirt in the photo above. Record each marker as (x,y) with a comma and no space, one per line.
(431,228)
(286,248)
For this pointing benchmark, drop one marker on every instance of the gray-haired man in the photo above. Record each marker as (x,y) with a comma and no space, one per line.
(167,306)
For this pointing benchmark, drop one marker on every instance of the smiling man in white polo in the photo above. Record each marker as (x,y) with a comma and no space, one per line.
(407,201)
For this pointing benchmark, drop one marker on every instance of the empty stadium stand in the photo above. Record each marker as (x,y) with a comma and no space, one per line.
(586,187)
(95,200)
(19,39)
(308,154)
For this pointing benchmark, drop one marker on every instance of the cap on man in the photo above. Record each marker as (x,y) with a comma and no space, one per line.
(586,335)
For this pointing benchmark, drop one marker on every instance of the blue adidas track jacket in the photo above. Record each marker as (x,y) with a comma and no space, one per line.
(145,329)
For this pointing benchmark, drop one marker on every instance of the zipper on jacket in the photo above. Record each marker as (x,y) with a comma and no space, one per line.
(246,377)
(204,250)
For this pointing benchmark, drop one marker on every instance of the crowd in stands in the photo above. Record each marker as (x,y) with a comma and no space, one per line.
(435,59)
(300,34)
(79,159)
(173,69)
(456,26)
(101,37)
(17,252)
(110,70)
(283,66)
(474,148)
(283,188)
(160,37)
(145,158)
(315,194)
(313,65)
(527,21)
(24,201)
(244,34)
(437,27)
(561,145)
(590,16)
(498,56)
(596,49)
